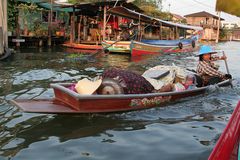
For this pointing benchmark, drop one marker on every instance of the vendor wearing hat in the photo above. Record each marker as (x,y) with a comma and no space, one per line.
(207,70)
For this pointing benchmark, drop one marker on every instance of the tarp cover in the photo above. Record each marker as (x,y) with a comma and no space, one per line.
(229,6)
(48,5)
(124,12)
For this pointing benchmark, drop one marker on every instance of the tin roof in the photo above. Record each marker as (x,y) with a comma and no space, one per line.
(202,14)
(124,12)
(92,8)
(56,6)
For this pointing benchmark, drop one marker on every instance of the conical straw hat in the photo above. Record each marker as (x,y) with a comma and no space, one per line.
(87,87)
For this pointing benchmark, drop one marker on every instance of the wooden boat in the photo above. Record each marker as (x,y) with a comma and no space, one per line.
(68,101)
(162,46)
(227,147)
(82,46)
(155,46)
(117,47)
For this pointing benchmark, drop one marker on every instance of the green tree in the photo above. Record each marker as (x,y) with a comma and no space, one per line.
(222,33)
(12,14)
(150,7)
(153,8)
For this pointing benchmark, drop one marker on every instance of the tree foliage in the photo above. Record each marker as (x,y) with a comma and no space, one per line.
(83,1)
(153,8)
(12,14)
(150,7)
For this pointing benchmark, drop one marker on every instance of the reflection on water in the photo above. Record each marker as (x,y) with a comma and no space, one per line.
(187,129)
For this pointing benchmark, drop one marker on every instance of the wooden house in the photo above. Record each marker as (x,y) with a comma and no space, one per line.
(90,22)
(208,21)
(178,18)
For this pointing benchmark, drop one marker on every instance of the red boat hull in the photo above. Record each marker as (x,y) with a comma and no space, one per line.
(228,143)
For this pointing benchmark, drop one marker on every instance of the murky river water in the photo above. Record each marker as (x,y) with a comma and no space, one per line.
(185,130)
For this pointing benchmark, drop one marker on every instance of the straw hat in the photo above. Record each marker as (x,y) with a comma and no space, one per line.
(85,86)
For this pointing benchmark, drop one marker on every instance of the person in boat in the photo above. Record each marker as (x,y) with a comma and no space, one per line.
(130,82)
(207,70)
(117,81)
(190,82)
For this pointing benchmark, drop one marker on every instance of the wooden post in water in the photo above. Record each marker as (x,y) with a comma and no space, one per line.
(218,27)
(50,13)
(1,40)
(1,28)
(5,31)
(18,29)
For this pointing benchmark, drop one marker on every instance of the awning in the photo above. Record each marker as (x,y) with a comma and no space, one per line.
(93,8)
(47,5)
(229,6)
(124,12)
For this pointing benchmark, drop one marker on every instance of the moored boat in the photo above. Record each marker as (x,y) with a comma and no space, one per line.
(227,147)
(162,46)
(68,101)
(83,46)
(117,46)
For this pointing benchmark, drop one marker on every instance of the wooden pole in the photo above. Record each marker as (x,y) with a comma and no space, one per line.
(72,34)
(218,27)
(84,28)
(74,30)
(175,33)
(71,30)
(18,29)
(104,21)
(160,31)
(1,40)
(139,27)
(5,31)
(50,13)
(226,64)
(1,28)
(79,29)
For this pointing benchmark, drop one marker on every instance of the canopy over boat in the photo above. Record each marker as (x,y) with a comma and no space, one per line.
(230,6)
(124,12)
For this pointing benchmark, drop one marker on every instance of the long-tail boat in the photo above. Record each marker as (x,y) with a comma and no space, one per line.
(144,46)
(117,47)
(68,101)
(227,147)
(162,46)
(83,46)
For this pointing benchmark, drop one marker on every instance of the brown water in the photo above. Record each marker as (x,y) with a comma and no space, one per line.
(186,130)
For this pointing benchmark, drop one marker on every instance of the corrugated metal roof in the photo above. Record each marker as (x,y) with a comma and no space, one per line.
(202,14)
(48,5)
(88,8)
(124,12)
